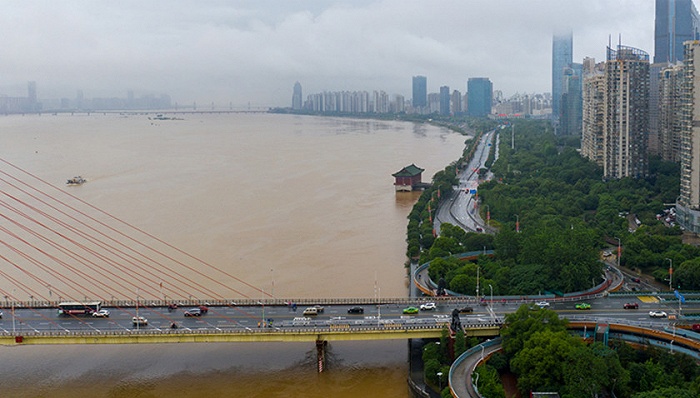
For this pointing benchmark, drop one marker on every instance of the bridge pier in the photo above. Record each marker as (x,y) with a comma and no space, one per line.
(321,354)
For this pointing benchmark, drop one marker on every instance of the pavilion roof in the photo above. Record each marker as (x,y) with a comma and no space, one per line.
(408,171)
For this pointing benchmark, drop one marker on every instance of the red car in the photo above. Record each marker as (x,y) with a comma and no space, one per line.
(630,306)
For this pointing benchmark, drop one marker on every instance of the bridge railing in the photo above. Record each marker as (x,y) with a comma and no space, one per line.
(242,302)
(451,378)
(245,331)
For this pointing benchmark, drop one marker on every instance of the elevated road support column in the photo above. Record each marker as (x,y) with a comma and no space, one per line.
(321,354)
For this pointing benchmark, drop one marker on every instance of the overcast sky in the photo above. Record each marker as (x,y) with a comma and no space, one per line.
(253,51)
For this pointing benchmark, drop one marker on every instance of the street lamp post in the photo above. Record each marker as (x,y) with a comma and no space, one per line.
(619,252)
(491,287)
(13,312)
(477,283)
(439,375)
(488,215)
(670,274)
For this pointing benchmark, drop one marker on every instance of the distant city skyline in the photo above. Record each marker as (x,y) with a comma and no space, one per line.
(251,52)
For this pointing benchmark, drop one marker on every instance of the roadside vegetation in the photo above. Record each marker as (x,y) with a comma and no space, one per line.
(566,214)
(539,350)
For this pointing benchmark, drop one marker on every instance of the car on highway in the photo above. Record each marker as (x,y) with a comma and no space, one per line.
(103,313)
(310,311)
(630,306)
(193,312)
(410,310)
(466,310)
(542,304)
(139,321)
(583,306)
(356,310)
(657,314)
(428,306)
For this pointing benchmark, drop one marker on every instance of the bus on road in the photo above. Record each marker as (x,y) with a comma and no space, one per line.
(76,308)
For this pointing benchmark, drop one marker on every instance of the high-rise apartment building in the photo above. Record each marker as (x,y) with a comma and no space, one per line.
(420,92)
(479,96)
(669,120)
(688,205)
(456,102)
(444,100)
(593,114)
(676,21)
(626,117)
(562,57)
(296,97)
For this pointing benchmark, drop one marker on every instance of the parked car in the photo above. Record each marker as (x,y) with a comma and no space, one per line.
(410,310)
(103,313)
(583,306)
(695,327)
(630,306)
(657,314)
(139,321)
(542,304)
(428,306)
(193,312)
(466,310)
(356,310)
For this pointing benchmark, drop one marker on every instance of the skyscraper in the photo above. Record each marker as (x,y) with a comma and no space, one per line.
(296,97)
(626,118)
(444,100)
(688,206)
(420,92)
(676,21)
(571,101)
(479,96)
(456,102)
(562,58)
(593,110)
(670,90)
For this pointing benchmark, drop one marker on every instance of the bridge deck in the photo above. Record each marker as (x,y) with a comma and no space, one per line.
(253,335)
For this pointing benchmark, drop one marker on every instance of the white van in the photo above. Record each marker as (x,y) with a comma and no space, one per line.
(311,311)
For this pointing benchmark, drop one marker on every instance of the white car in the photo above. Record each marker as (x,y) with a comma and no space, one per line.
(139,321)
(101,314)
(542,304)
(428,306)
(657,314)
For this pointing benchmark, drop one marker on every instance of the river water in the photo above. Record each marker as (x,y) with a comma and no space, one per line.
(296,206)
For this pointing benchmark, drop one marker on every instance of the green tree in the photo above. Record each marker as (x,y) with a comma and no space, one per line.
(539,363)
(523,323)
(667,392)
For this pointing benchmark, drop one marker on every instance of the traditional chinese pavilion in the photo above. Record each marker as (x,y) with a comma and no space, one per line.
(408,178)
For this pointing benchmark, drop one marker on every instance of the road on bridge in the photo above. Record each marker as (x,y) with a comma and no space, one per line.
(222,318)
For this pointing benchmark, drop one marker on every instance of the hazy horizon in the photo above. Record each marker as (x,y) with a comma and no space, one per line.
(252,52)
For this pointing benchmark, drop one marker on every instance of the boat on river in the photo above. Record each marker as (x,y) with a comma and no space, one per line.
(77,180)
